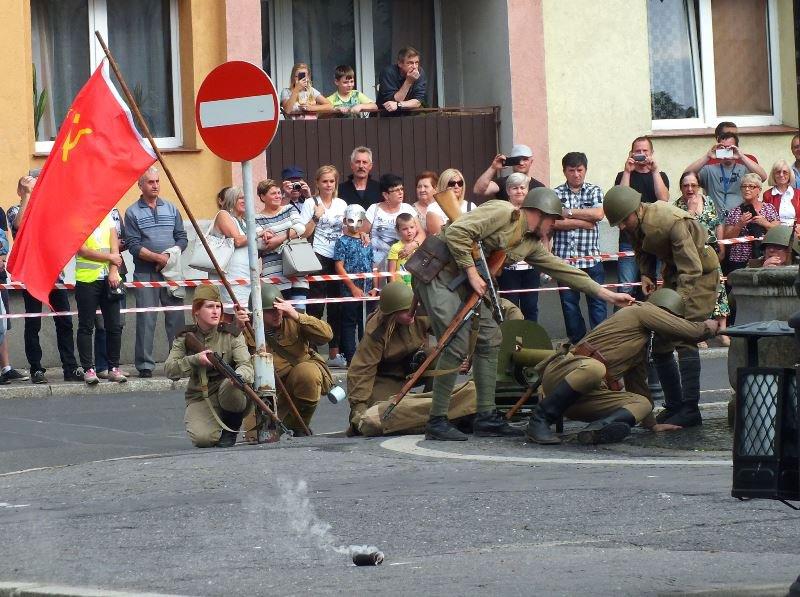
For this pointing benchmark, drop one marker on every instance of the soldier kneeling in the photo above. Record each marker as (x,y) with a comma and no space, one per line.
(214,407)
(305,374)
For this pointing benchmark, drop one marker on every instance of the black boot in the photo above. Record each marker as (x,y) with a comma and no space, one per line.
(608,430)
(493,424)
(794,590)
(548,411)
(439,428)
(689,413)
(670,378)
(233,420)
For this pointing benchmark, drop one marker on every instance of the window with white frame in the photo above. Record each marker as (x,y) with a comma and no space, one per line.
(713,60)
(365,34)
(142,35)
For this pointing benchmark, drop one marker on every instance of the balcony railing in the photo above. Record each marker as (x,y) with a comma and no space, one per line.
(428,139)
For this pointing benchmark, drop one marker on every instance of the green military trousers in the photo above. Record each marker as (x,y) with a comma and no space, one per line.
(202,426)
(587,376)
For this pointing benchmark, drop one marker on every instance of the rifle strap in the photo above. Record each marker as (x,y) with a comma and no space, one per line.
(204,387)
(280,350)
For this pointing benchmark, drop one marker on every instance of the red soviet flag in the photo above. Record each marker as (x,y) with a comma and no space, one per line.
(97,155)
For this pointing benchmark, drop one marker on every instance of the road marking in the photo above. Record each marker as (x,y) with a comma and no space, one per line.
(7,505)
(409,445)
(239,110)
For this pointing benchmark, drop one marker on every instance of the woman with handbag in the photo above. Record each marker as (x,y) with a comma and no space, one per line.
(230,223)
(277,224)
(323,216)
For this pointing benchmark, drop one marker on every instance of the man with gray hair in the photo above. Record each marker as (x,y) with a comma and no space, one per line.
(152,226)
(360,188)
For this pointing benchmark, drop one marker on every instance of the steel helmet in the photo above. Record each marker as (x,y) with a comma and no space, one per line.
(668,299)
(269,293)
(354,215)
(783,236)
(395,296)
(545,200)
(619,203)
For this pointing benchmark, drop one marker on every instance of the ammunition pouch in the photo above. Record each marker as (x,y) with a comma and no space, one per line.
(429,259)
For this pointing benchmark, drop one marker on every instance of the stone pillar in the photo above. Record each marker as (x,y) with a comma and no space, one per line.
(763,294)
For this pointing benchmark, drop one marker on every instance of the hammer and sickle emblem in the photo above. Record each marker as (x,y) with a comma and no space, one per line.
(71,141)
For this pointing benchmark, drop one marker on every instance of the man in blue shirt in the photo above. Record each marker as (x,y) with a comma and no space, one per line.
(152,226)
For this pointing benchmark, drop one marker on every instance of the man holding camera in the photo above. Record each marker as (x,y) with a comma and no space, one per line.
(295,189)
(722,180)
(491,185)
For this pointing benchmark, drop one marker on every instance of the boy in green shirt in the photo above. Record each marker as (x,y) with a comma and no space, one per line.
(346,99)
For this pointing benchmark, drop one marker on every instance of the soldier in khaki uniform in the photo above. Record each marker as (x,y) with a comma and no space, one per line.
(499,226)
(304,373)
(381,361)
(614,351)
(778,244)
(660,231)
(211,399)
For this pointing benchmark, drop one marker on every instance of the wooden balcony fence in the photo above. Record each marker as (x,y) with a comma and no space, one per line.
(435,139)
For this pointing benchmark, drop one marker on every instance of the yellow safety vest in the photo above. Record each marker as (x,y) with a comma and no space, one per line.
(88,270)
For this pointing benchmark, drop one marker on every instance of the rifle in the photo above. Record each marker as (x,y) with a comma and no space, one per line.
(194,346)
(468,310)
(447,201)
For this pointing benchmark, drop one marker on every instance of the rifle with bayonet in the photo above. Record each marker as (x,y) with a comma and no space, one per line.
(194,345)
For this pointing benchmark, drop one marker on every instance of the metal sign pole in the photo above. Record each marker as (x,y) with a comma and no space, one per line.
(261,369)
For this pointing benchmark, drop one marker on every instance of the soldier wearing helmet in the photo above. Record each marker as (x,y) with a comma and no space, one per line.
(612,353)
(382,359)
(665,233)
(212,402)
(520,233)
(290,336)
(778,244)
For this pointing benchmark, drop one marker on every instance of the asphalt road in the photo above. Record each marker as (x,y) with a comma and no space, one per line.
(121,501)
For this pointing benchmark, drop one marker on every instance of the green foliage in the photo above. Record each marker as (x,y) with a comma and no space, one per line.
(39,103)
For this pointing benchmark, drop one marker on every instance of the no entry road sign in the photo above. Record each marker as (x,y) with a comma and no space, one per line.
(237,111)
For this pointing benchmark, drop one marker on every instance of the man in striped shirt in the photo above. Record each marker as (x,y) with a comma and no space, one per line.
(577,236)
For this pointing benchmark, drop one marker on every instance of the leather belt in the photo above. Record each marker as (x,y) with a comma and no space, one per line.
(584,349)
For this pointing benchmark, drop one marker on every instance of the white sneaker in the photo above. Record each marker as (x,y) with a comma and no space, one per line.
(338,362)
(90,377)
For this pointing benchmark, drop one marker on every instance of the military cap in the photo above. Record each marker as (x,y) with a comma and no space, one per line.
(207,292)
(620,202)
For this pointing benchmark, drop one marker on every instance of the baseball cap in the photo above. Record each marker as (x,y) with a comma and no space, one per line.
(520,151)
(292,172)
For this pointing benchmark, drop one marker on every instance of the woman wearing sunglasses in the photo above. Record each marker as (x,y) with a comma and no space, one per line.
(452,180)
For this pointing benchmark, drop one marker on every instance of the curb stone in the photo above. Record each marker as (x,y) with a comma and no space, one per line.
(30,589)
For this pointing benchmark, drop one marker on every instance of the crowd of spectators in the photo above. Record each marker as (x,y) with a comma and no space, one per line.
(366,223)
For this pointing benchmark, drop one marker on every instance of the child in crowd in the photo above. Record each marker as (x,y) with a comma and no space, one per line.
(409,231)
(352,257)
(346,99)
